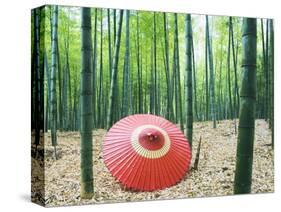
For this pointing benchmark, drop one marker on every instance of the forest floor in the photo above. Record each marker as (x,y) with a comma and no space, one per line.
(214,177)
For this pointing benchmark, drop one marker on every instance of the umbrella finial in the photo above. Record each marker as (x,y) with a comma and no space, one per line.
(152,136)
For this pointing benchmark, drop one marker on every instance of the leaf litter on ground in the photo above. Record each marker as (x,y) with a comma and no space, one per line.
(214,177)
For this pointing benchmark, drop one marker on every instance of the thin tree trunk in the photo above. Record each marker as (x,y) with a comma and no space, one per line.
(100,98)
(228,72)
(125,96)
(220,98)
(188,69)
(175,82)
(139,68)
(169,89)
(206,78)
(212,80)
(37,76)
(271,61)
(114,26)
(270,71)
(194,80)
(86,166)
(152,92)
(246,130)
(95,72)
(74,112)
(263,65)
(68,80)
(267,71)
(114,72)
(178,75)
(156,111)
(54,69)
(64,98)
(109,44)
(236,108)
(70,100)
(47,71)
(59,72)
(33,71)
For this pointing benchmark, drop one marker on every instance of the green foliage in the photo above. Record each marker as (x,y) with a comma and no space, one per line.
(142,64)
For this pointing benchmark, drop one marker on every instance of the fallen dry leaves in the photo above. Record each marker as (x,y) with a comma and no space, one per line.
(214,177)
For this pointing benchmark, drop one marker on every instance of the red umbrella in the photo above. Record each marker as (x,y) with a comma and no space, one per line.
(146,152)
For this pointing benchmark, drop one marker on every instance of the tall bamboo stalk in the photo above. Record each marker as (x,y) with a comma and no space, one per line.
(37,75)
(246,130)
(125,96)
(86,154)
(169,89)
(54,69)
(188,70)
(113,82)
(212,80)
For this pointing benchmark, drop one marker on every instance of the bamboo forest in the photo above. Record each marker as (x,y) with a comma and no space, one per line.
(211,76)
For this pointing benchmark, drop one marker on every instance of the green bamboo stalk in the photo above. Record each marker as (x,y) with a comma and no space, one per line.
(113,82)
(109,44)
(100,96)
(178,78)
(246,130)
(188,69)
(86,157)
(212,80)
(152,101)
(37,75)
(228,72)
(95,71)
(139,67)
(194,80)
(156,111)
(53,78)
(206,77)
(267,71)
(169,87)
(236,95)
(270,72)
(125,96)
(272,80)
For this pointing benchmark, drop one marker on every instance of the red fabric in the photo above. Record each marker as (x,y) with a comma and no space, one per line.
(151,139)
(140,173)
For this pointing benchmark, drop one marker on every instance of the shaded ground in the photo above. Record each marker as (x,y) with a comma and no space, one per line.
(214,177)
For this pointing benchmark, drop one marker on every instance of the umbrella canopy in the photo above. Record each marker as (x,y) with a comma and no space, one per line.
(146,152)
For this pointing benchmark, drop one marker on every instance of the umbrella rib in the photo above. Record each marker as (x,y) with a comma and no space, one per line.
(141,167)
(174,167)
(115,150)
(180,160)
(139,176)
(170,174)
(158,183)
(125,158)
(120,168)
(133,159)
(118,157)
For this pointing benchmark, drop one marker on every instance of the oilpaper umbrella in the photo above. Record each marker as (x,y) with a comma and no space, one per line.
(146,152)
